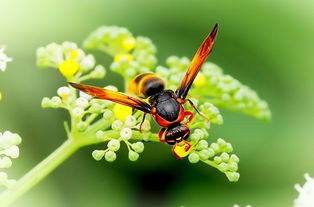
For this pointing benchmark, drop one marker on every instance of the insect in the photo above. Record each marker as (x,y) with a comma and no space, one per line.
(165,106)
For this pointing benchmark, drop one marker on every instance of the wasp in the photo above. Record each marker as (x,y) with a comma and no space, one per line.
(165,106)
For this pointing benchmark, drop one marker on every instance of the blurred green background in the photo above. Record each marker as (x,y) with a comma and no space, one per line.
(267,45)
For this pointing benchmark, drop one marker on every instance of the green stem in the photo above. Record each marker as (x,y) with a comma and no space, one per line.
(60,155)
(39,172)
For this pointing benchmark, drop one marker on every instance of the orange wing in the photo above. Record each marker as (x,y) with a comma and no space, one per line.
(113,96)
(196,64)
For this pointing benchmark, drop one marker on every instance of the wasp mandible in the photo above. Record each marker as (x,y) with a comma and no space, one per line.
(165,106)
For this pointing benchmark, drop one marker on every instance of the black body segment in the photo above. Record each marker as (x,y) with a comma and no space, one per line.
(166,105)
(177,134)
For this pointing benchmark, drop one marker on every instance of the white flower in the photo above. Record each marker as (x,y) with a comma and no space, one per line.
(64,92)
(81,102)
(85,95)
(77,112)
(3,59)
(306,193)
(88,62)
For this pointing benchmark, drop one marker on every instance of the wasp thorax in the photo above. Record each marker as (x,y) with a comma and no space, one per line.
(145,85)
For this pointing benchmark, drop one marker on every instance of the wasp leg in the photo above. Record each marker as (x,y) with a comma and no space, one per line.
(186,149)
(175,154)
(188,145)
(140,127)
(190,114)
(194,107)
(160,133)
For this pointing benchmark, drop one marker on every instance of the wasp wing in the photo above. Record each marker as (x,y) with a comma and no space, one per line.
(113,96)
(196,64)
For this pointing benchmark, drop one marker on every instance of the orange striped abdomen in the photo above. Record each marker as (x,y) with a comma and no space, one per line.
(145,85)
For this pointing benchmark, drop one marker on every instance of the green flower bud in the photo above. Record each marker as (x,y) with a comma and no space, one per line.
(138,147)
(117,125)
(78,112)
(56,101)
(211,152)
(99,72)
(194,157)
(45,103)
(126,134)
(223,166)
(234,158)
(145,126)
(81,102)
(98,154)
(95,108)
(203,144)
(229,147)
(215,147)
(99,134)
(217,159)
(114,145)
(222,143)
(205,154)
(225,157)
(130,121)
(82,126)
(108,115)
(133,156)
(5,162)
(233,176)
(110,156)
(233,166)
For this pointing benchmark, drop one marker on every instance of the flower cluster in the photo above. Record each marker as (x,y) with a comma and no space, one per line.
(306,193)
(71,61)
(8,150)
(131,55)
(125,129)
(214,86)
(216,154)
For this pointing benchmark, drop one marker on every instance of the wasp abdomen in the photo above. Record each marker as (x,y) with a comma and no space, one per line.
(145,85)
(177,134)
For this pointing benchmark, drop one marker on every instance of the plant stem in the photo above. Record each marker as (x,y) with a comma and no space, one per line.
(39,172)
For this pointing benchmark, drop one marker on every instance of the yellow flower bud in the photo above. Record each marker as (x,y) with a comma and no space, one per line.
(0,96)
(68,68)
(74,54)
(121,111)
(118,57)
(200,80)
(180,150)
(129,44)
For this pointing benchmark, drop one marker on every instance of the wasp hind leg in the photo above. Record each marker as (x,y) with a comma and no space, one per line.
(160,134)
(181,153)
(140,127)
(190,114)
